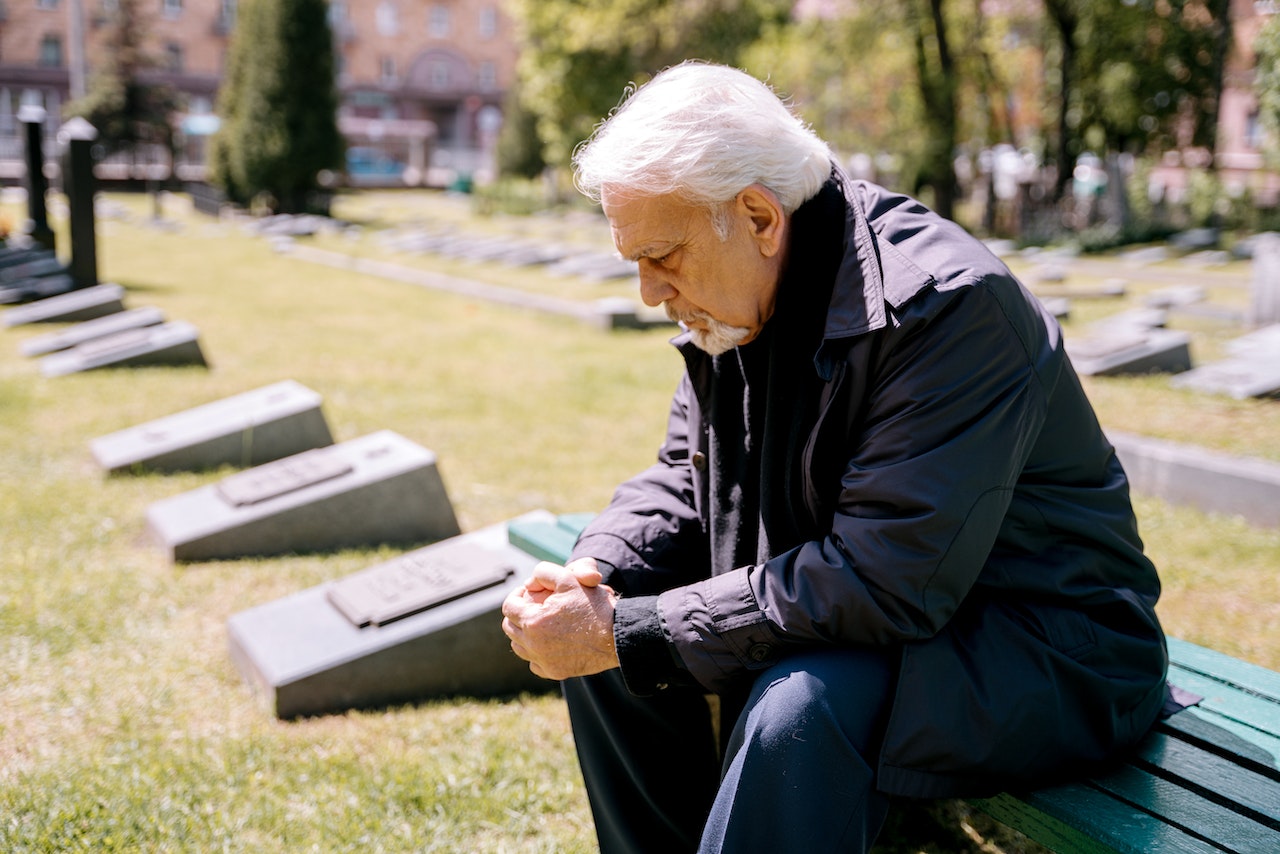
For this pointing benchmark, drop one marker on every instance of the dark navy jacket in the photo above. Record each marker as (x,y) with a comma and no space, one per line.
(948,493)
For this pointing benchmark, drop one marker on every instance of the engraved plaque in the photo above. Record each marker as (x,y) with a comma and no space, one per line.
(417,581)
(114,343)
(283,476)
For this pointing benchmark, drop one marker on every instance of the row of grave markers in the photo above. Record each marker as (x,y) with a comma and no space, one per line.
(423,625)
(1137,342)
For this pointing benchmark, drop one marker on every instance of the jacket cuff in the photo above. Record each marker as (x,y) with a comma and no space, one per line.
(648,661)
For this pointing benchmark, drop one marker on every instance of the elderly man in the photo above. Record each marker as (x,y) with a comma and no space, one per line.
(885,548)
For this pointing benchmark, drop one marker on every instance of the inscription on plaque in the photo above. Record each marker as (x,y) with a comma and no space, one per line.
(114,343)
(416,582)
(274,479)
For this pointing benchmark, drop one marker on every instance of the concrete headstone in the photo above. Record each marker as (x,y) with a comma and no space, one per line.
(424,625)
(1130,351)
(1264,307)
(380,488)
(74,306)
(89,330)
(174,343)
(248,429)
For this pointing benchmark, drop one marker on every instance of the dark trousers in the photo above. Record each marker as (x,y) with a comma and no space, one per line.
(793,770)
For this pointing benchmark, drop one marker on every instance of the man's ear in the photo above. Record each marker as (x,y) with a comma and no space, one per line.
(764,212)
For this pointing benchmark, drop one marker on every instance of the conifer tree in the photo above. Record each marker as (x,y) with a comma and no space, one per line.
(278,106)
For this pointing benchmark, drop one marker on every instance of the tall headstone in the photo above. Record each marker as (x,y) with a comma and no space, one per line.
(32,118)
(77,138)
(1265,306)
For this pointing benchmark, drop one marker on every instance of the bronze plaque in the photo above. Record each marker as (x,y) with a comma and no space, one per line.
(282,476)
(417,581)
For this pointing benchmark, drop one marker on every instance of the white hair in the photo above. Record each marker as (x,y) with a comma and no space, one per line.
(704,132)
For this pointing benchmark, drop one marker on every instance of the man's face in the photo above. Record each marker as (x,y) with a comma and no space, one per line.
(722,290)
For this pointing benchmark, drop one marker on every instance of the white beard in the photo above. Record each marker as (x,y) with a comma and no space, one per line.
(716,338)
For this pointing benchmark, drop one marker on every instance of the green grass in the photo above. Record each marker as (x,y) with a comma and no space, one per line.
(124,725)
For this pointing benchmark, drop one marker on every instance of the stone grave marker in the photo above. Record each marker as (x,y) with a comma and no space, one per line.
(424,625)
(248,429)
(43,264)
(1252,369)
(77,305)
(1209,480)
(174,343)
(36,288)
(1264,308)
(379,488)
(89,330)
(1130,351)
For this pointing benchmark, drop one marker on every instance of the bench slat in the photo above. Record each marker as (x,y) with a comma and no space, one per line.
(1256,712)
(1174,803)
(1223,668)
(1237,742)
(1224,779)
(1078,819)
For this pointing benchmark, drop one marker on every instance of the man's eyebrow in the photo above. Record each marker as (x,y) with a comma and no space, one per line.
(651,250)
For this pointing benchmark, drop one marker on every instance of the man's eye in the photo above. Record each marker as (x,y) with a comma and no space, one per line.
(662,259)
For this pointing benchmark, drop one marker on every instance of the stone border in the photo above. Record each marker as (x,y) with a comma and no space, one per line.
(1208,480)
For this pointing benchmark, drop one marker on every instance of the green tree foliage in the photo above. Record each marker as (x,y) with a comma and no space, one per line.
(124,103)
(1267,83)
(580,54)
(1137,76)
(278,105)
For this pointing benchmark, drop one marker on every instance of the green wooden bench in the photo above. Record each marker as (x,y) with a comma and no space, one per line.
(1206,779)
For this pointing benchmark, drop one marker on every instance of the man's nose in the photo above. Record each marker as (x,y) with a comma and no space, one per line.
(654,290)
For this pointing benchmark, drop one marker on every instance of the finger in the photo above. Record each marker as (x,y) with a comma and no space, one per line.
(586,570)
(546,576)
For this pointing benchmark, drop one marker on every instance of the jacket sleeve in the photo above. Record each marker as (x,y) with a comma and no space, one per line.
(650,537)
(952,400)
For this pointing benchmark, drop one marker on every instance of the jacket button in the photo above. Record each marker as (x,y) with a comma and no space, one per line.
(700,461)
(759,652)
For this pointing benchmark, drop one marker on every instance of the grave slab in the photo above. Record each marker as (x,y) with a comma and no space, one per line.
(379,488)
(1240,377)
(43,264)
(1130,351)
(77,305)
(90,330)
(248,429)
(321,651)
(174,343)
(1211,481)
(36,288)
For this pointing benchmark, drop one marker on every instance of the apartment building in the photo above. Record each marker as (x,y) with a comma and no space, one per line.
(421,81)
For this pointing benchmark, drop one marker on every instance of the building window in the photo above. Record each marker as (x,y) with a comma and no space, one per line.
(172,8)
(388,19)
(439,79)
(488,22)
(110,7)
(487,77)
(46,4)
(51,51)
(438,22)
(173,57)
(388,70)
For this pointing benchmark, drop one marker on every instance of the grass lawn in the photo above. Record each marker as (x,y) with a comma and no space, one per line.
(124,725)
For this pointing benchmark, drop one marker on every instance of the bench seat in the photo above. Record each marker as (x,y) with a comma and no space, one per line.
(1205,780)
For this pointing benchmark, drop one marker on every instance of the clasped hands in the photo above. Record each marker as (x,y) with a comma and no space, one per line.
(561,620)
